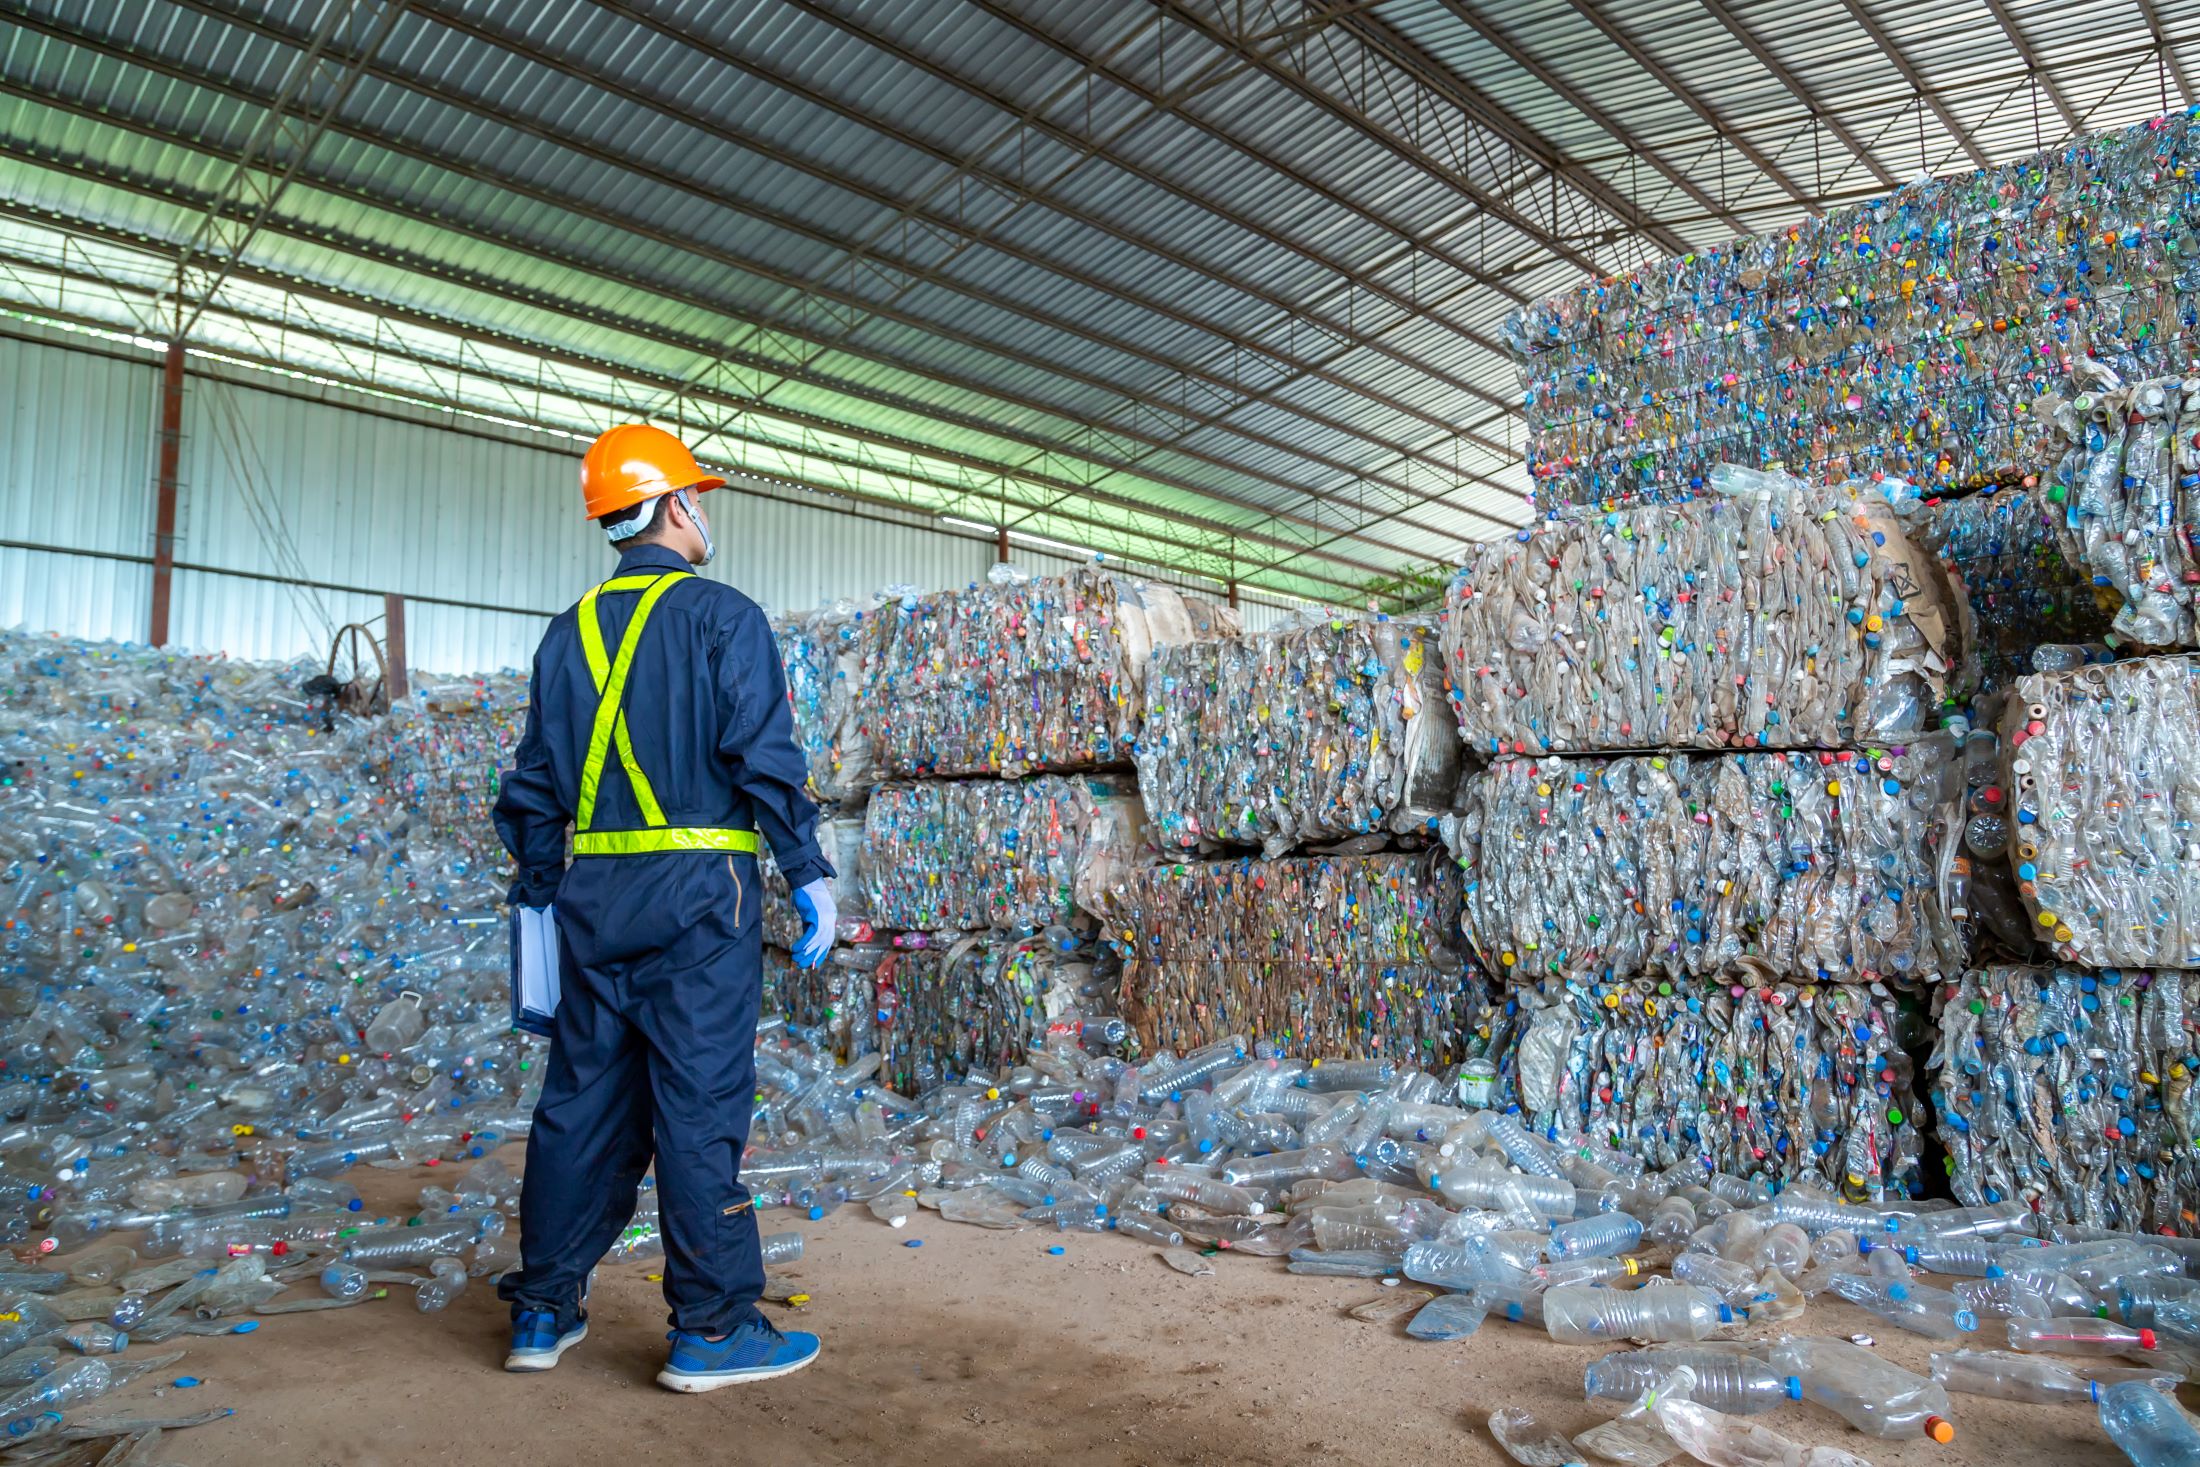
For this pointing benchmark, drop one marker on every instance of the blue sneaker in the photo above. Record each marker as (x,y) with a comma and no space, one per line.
(755,1351)
(536,1343)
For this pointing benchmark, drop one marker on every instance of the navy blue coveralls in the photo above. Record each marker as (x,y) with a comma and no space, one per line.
(662,952)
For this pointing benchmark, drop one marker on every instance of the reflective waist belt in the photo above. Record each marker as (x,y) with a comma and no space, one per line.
(609,728)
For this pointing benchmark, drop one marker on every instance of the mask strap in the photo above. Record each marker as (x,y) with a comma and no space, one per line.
(687,502)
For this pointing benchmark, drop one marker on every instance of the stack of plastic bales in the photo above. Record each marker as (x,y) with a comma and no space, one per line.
(1317,732)
(1775,350)
(1680,923)
(2065,1087)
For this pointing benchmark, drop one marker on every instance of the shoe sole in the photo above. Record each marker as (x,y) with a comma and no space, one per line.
(538,1360)
(688,1384)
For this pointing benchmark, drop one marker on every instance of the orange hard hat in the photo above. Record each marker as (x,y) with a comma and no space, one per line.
(634,462)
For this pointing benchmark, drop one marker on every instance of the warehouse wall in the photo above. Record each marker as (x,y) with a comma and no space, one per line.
(357,492)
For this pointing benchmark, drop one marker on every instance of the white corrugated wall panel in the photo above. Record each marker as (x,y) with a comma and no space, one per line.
(76,439)
(376,497)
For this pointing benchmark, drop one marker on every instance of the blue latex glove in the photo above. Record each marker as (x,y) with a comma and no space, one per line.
(815,903)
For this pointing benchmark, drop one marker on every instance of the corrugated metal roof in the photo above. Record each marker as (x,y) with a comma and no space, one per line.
(1241,270)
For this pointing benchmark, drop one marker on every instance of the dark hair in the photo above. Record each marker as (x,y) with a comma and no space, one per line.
(654,535)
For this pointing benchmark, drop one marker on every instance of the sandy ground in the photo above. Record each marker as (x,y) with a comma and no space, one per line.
(978,1348)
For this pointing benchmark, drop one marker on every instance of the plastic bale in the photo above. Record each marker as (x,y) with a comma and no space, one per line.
(1018,674)
(2071,1091)
(1005,853)
(2104,777)
(1788,1081)
(1768,615)
(1822,867)
(1774,350)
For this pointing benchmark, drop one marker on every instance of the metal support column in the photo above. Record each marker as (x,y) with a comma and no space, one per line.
(168,454)
(393,645)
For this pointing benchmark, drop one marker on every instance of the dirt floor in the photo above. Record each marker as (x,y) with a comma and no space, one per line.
(978,1348)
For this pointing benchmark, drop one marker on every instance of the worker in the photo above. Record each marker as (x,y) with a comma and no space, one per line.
(658,727)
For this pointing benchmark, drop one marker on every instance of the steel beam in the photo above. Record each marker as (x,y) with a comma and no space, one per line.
(1925,93)
(1489,203)
(969,164)
(1640,55)
(2072,123)
(2165,50)
(1214,383)
(659,382)
(1482,110)
(1724,14)
(908,211)
(162,67)
(295,119)
(1225,533)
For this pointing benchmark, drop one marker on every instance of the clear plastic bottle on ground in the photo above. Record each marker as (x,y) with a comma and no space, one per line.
(1872,1395)
(1587,1315)
(2147,1426)
(1529,1441)
(1595,1237)
(1739,1385)
(2009,1376)
(2076,1336)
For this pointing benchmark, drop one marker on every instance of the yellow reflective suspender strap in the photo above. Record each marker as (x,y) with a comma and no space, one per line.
(599,669)
(611,694)
(609,675)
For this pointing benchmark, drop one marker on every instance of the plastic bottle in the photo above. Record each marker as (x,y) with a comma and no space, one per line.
(1720,1440)
(2067,1336)
(1736,1384)
(1877,1398)
(1529,1441)
(1934,1313)
(2010,1376)
(1585,1314)
(2147,1427)
(1595,1237)
(446,1282)
(781,1248)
